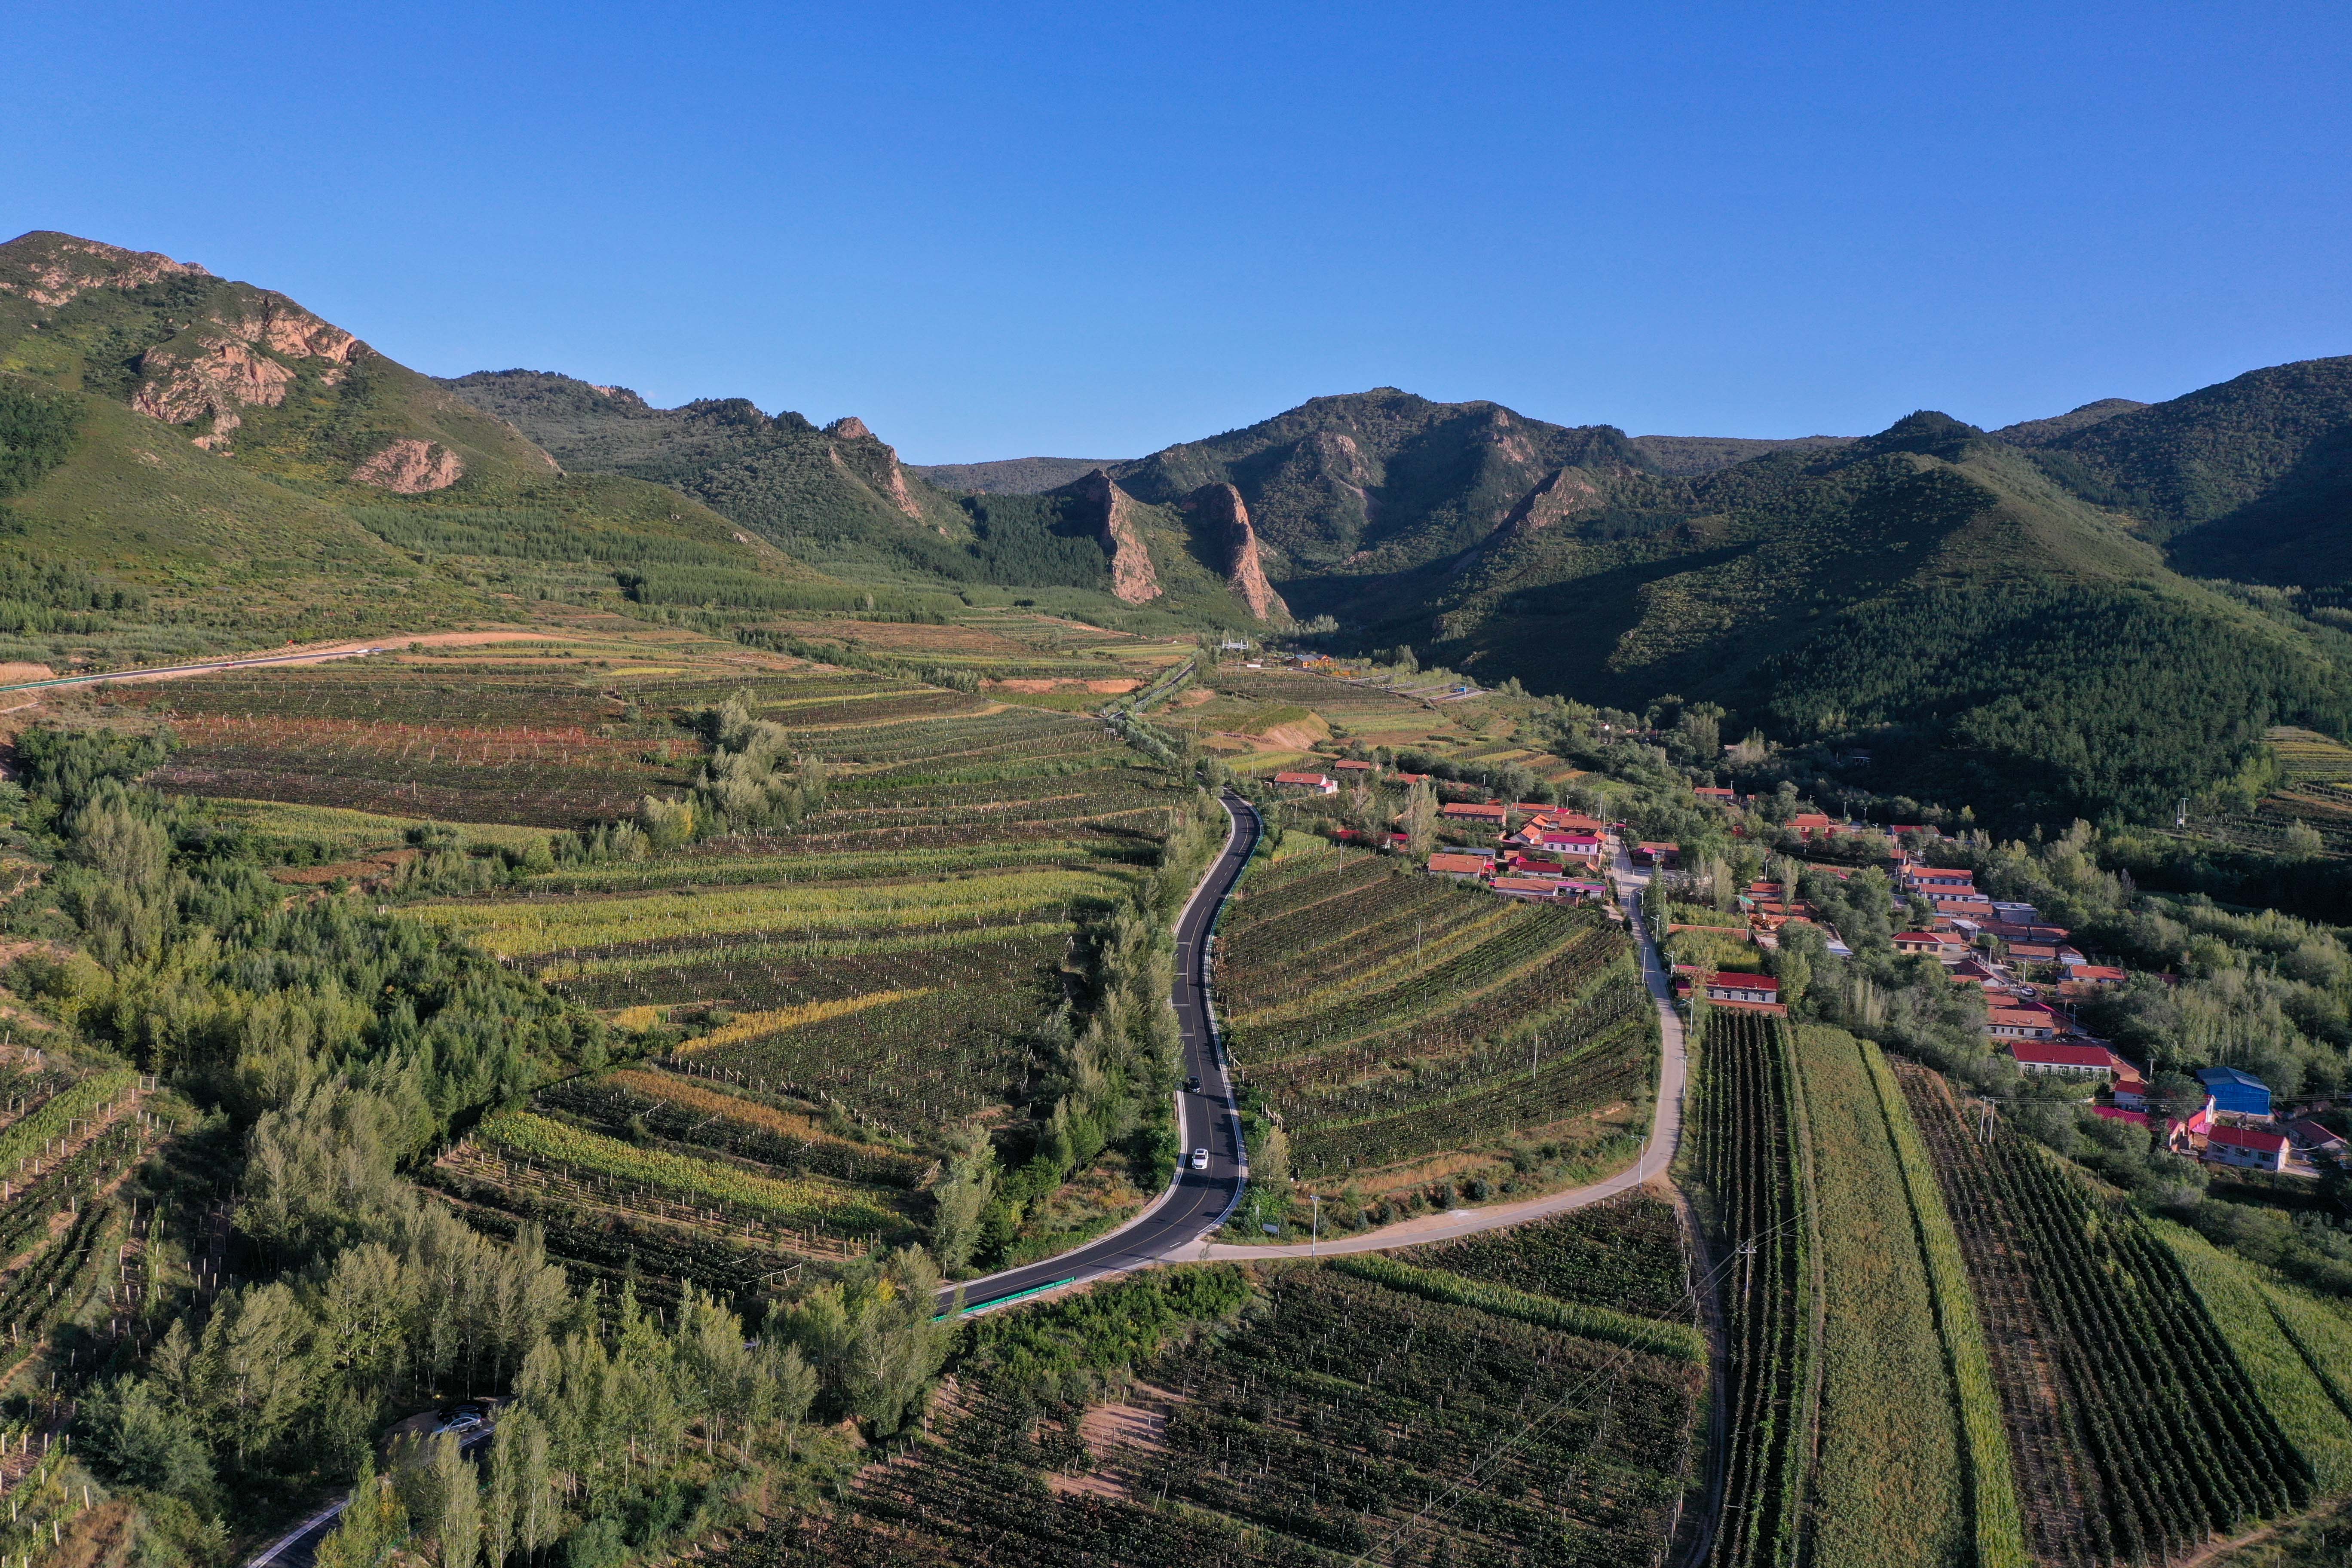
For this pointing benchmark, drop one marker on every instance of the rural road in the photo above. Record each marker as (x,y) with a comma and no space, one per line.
(1197,1201)
(1657,1154)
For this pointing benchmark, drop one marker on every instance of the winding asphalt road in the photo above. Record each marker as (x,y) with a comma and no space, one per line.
(1197,1201)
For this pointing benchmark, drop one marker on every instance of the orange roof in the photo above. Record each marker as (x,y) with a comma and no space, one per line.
(1352,765)
(1475,864)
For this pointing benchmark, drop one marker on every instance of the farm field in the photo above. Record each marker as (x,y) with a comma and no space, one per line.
(1387,1017)
(2122,1395)
(1297,1413)
(1260,719)
(822,1000)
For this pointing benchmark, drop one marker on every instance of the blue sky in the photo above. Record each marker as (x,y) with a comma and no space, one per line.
(1003,230)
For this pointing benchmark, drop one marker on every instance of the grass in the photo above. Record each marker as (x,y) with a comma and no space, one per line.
(1891,1474)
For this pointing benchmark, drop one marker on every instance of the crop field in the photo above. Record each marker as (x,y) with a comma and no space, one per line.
(1627,1253)
(1346,1419)
(1386,1016)
(845,988)
(2125,1402)
(1755,1165)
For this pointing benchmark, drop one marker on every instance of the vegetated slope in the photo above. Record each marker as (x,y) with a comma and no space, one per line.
(2249,478)
(2015,645)
(1692,454)
(2043,432)
(1378,480)
(1010,476)
(1303,1414)
(207,463)
(840,497)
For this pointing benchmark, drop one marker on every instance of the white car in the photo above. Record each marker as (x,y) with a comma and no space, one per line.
(1200,1159)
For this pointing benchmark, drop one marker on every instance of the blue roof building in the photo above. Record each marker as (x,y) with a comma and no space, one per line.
(2234,1090)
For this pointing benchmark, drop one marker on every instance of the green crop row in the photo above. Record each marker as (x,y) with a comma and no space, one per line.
(1681,1341)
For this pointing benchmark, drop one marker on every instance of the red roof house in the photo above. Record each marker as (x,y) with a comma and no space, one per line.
(1754,993)
(1315,782)
(2247,1146)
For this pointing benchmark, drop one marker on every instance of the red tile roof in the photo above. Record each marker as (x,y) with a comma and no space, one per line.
(2248,1138)
(2050,1053)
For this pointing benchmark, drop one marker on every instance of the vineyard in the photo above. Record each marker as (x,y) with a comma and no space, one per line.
(833,992)
(1755,1165)
(1386,1016)
(2124,1401)
(1344,1416)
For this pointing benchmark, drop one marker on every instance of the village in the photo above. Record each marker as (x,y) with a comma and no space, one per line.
(2031,976)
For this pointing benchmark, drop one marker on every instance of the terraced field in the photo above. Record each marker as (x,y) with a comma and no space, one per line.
(825,996)
(1385,1016)
(1369,1411)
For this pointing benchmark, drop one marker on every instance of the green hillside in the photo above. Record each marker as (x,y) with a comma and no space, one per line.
(1929,590)
(2250,478)
(193,463)
(1010,476)
(839,498)
(1379,480)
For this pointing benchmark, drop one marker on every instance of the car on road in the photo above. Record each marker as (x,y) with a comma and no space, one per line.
(1200,1159)
(1193,1084)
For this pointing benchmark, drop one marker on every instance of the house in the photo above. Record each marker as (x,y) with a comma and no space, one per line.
(2015,913)
(1651,853)
(1412,778)
(1571,821)
(1529,887)
(2315,1137)
(1351,765)
(2033,953)
(2236,1091)
(1942,945)
(2098,975)
(1523,866)
(1969,971)
(2118,1113)
(1729,988)
(1315,782)
(1462,811)
(1582,846)
(1586,892)
(2131,1093)
(1723,796)
(1470,866)
(2022,1024)
(1926,879)
(2037,1053)
(2250,1147)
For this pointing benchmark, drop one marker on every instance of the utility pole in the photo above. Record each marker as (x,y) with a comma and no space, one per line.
(1315,1236)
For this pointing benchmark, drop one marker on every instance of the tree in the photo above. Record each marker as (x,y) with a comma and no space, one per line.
(1420,820)
(2304,841)
(459,1528)
(374,1524)
(961,1194)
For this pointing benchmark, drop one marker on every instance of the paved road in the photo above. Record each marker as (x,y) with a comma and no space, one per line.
(1657,1156)
(1197,1201)
(298,1547)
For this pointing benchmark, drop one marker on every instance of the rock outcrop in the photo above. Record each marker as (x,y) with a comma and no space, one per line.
(859,451)
(213,376)
(1221,524)
(411,468)
(50,269)
(1133,579)
(1567,492)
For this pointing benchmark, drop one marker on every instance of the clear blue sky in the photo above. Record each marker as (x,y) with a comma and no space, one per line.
(1003,230)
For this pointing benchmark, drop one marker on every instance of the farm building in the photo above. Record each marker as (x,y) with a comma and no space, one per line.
(1350,765)
(1729,988)
(2039,1053)
(1587,892)
(1650,853)
(1472,867)
(1315,782)
(2250,1147)
(1529,887)
(2238,1092)
(1462,811)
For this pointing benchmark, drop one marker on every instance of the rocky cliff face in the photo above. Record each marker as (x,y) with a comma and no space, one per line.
(411,468)
(1132,578)
(240,362)
(1222,523)
(876,461)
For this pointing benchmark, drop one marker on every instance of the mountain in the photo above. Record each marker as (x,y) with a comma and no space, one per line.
(1693,455)
(1931,588)
(2250,478)
(1009,476)
(839,498)
(2044,432)
(198,462)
